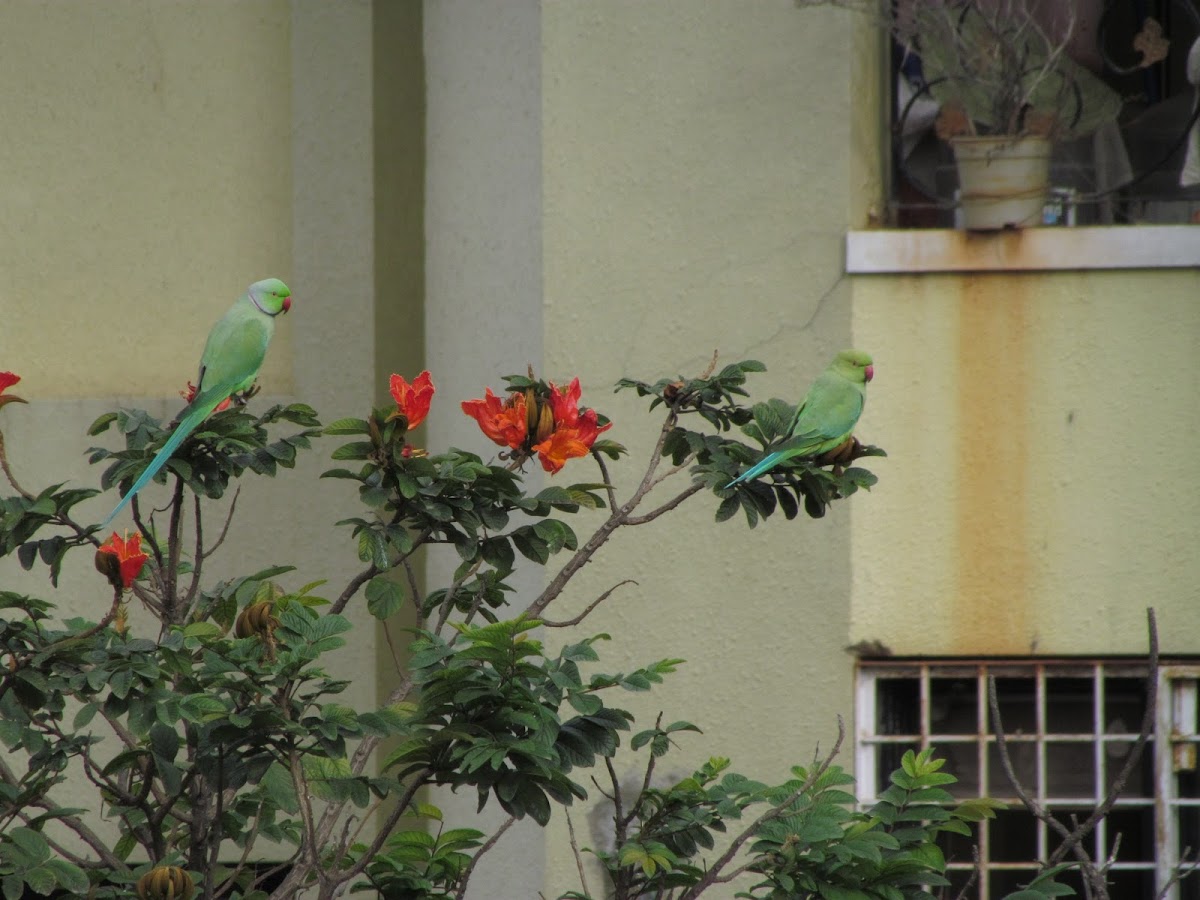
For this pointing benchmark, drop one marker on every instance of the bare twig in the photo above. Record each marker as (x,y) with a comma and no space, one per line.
(591,606)
(414,591)
(85,833)
(174,549)
(646,779)
(970,882)
(231,877)
(465,876)
(619,818)
(1093,880)
(605,479)
(448,602)
(344,876)
(578,856)
(1039,812)
(1135,753)
(694,488)
(308,842)
(715,875)
(8,472)
(619,516)
(224,528)
(352,588)
(1185,868)
(387,635)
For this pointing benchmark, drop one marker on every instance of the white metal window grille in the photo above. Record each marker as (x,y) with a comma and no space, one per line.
(1070,726)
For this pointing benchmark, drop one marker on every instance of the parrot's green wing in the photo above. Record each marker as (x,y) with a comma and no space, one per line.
(828,414)
(234,351)
(826,418)
(233,354)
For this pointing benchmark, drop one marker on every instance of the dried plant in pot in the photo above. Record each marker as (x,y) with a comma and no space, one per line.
(1007,90)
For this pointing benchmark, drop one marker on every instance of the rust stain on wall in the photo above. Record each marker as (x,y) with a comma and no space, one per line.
(992,562)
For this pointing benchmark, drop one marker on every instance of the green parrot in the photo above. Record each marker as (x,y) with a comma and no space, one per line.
(826,418)
(232,357)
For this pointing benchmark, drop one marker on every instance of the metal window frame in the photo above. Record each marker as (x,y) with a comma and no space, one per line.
(1175,742)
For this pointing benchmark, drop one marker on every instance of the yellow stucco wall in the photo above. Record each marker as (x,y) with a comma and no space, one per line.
(145,177)
(697,165)
(1042,488)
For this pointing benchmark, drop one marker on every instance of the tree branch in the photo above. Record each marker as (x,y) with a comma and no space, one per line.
(1135,753)
(465,876)
(619,516)
(224,528)
(713,875)
(591,606)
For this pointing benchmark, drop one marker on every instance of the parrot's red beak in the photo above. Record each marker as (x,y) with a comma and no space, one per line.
(287,305)
(869,370)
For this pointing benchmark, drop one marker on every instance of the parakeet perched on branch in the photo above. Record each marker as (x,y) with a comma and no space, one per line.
(232,357)
(826,418)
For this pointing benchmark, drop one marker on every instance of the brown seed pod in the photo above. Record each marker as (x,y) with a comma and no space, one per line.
(256,619)
(109,566)
(165,883)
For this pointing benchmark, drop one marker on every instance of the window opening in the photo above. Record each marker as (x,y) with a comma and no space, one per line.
(1070,726)
(1142,168)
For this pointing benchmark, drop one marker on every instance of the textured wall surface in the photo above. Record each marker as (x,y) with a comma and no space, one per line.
(696,176)
(145,178)
(147,165)
(483,310)
(1042,490)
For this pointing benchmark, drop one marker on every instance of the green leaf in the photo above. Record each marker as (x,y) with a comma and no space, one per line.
(372,548)
(347,426)
(26,554)
(531,547)
(384,597)
(728,507)
(41,881)
(31,844)
(353,450)
(101,423)
(277,785)
(85,715)
(201,708)
(383,722)
(586,704)
(68,875)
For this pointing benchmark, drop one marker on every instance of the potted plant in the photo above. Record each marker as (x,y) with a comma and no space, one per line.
(1007,90)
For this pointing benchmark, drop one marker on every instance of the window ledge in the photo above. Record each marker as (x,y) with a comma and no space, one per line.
(1032,249)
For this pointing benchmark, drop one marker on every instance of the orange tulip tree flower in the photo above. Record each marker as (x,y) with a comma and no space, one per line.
(574,431)
(129,556)
(503,421)
(551,425)
(412,400)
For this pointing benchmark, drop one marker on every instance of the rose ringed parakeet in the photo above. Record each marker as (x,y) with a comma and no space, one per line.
(826,418)
(232,357)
